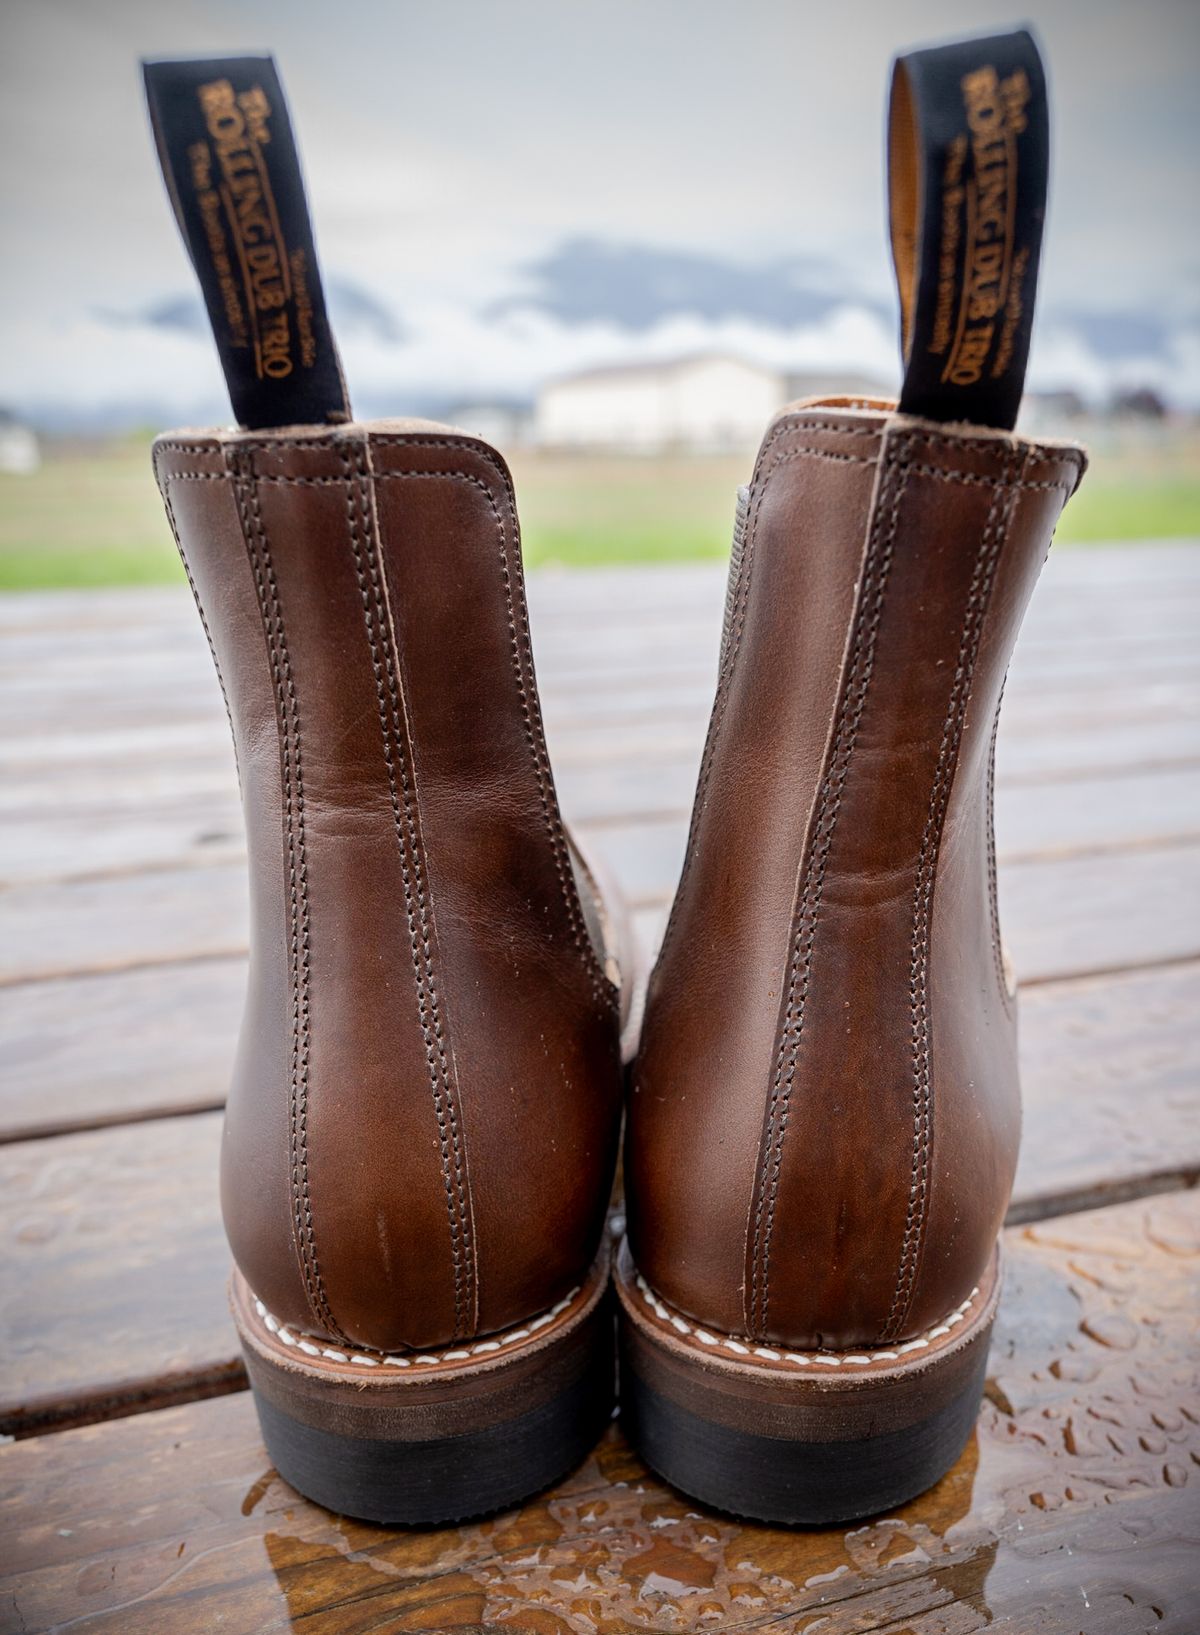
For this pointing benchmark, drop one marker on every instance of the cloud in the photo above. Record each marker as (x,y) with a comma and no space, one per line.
(584,303)
(637,286)
(353,311)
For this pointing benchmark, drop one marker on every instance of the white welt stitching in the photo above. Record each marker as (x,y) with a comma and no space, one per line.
(831,1359)
(461,1354)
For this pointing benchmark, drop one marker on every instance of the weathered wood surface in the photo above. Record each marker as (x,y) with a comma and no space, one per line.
(121,962)
(1065,914)
(1076,1506)
(114,1292)
(113,1295)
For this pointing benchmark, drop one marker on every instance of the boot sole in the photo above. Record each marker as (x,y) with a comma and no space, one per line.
(803,1438)
(424,1437)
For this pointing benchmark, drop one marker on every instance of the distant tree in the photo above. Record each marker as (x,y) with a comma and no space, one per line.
(1140,403)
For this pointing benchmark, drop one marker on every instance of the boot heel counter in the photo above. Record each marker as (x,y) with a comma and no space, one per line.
(868,1096)
(423,986)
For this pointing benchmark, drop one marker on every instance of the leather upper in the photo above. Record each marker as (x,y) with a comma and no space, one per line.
(824,1120)
(421,1129)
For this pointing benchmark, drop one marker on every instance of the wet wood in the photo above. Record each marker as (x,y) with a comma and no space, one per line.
(1110,1065)
(115,1265)
(121,967)
(114,1297)
(96,1050)
(1074,1508)
(1110,1080)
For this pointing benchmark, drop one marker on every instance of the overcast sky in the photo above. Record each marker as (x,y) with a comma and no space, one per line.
(447,147)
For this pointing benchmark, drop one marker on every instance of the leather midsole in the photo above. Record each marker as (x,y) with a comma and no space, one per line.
(291,1348)
(765,1391)
(714,1342)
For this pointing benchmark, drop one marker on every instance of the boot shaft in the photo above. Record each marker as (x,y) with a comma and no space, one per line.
(420,1128)
(825,1116)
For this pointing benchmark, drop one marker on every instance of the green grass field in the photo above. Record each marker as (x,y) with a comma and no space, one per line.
(91,516)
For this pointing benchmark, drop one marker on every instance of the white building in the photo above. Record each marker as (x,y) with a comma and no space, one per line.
(696,403)
(503,425)
(19,452)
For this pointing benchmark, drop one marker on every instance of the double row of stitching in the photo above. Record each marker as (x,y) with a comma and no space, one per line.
(312,1345)
(737,601)
(165,490)
(975,479)
(418,909)
(747,1348)
(292,772)
(857,673)
(521,655)
(993,893)
(521,658)
(974,613)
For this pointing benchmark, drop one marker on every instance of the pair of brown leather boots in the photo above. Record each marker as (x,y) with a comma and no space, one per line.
(822,1115)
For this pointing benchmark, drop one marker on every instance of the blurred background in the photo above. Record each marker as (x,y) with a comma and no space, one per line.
(610,240)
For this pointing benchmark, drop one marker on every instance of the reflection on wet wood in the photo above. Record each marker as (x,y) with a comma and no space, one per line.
(1074,1508)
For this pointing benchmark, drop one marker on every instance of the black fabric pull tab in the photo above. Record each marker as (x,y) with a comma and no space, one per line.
(231,168)
(968,166)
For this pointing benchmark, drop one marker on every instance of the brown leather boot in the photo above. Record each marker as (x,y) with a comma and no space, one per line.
(421,1131)
(825,1115)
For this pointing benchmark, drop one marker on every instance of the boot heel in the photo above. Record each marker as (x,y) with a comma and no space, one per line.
(785,1436)
(428,1437)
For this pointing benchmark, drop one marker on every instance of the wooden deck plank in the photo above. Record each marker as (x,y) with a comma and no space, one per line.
(1088,693)
(1064,915)
(1110,1077)
(97,1050)
(146,771)
(114,1294)
(1048,734)
(62,918)
(183,827)
(1074,1508)
(1110,1064)
(161,638)
(1144,645)
(1141,573)
(114,757)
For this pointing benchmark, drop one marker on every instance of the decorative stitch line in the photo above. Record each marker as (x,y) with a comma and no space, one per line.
(307,1343)
(397,757)
(165,490)
(799,1359)
(823,824)
(966,477)
(254,535)
(796,423)
(978,596)
(993,891)
(974,479)
(520,653)
(737,603)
